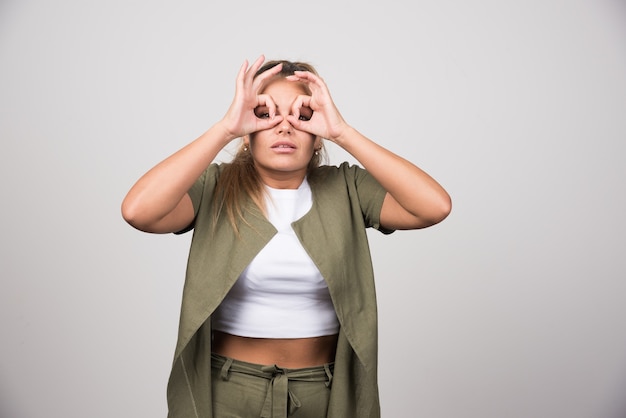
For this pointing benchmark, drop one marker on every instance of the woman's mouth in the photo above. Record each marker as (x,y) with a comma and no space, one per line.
(284,146)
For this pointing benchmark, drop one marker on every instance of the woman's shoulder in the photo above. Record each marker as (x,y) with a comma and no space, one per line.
(344,167)
(345,171)
(213,171)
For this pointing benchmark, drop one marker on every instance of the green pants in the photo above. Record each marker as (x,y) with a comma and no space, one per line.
(246,390)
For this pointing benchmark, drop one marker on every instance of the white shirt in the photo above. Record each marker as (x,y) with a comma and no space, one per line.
(281,294)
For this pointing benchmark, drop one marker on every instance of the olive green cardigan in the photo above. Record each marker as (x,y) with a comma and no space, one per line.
(346,200)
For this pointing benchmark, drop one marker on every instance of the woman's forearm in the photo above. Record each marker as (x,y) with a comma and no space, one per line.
(413,189)
(160,190)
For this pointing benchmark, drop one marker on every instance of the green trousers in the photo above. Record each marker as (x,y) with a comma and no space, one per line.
(246,390)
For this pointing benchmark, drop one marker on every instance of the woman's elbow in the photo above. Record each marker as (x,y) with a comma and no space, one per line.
(439,210)
(149,217)
(134,213)
(445,207)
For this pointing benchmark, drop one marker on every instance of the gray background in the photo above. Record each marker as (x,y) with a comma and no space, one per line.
(512,307)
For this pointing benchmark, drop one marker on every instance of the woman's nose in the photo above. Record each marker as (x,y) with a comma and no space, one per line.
(285,127)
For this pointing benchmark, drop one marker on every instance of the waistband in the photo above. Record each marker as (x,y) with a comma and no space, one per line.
(279,400)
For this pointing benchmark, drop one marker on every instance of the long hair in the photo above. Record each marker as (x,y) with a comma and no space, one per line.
(240,179)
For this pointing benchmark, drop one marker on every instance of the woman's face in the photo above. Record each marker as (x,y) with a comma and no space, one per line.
(281,154)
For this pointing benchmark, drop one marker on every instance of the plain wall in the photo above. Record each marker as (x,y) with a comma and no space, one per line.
(513,307)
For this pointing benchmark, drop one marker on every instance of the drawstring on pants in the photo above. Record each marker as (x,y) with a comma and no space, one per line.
(280,401)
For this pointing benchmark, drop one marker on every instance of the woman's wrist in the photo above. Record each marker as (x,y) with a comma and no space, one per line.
(220,133)
(347,134)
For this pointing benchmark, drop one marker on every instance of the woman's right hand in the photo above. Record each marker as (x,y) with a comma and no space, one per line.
(158,201)
(240,119)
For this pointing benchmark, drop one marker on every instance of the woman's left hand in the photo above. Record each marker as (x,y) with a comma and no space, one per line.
(326,121)
(413,200)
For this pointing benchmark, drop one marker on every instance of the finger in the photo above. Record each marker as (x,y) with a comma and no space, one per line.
(302,102)
(256,65)
(306,74)
(249,72)
(295,107)
(260,80)
(303,76)
(241,74)
(266,100)
(305,100)
(264,124)
(297,123)
(310,79)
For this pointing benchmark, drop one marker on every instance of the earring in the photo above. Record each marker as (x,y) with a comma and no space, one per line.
(245,148)
(317,152)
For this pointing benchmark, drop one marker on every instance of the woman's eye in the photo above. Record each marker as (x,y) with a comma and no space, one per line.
(262,113)
(305,113)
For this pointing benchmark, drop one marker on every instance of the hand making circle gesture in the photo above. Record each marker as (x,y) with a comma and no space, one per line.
(326,121)
(240,119)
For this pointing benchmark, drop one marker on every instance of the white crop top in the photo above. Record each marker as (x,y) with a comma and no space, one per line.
(281,294)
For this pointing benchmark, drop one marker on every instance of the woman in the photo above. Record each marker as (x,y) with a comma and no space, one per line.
(279,311)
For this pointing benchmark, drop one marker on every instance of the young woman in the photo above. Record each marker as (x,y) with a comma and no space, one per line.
(279,310)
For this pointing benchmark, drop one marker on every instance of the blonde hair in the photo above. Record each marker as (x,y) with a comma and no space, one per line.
(240,179)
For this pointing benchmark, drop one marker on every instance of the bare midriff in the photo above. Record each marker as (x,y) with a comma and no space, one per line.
(289,353)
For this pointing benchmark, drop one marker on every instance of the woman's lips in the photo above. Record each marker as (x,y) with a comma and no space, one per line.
(284,147)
